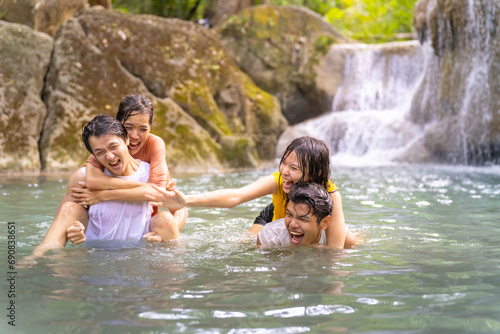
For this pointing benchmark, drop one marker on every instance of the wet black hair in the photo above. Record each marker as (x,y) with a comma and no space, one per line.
(313,157)
(313,195)
(102,125)
(135,104)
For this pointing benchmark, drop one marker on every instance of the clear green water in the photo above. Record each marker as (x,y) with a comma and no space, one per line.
(430,264)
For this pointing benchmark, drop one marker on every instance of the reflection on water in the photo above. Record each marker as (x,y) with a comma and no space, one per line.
(430,263)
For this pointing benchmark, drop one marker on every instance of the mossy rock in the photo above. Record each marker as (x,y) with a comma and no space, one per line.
(199,94)
(280,49)
(24,57)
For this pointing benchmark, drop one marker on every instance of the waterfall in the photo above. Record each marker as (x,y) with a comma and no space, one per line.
(475,112)
(368,123)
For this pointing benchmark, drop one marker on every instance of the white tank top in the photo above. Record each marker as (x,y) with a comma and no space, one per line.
(117,220)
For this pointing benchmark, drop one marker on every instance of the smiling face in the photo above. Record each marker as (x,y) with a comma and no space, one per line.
(291,172)
(138,129)
(112,152)
(302,225)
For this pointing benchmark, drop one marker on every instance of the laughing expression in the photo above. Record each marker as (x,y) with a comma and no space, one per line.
(112,152)
(302,226)
(138,129)
(291,172)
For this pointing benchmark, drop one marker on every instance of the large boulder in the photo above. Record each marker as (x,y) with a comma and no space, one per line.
(217,11)
(458,100)
(25,57)
(45,15)
(283,50)
(209,113)
(18,11)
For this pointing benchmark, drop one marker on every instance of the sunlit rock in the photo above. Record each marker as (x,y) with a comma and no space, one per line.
(458,100)
(25,57)
(200,97)
(283,49)
(45,15)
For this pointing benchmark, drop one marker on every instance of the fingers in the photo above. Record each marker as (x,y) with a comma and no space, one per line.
(161,190)
(75,233)
(80,196)
(145,236)
(77,190)
(79,241)
(157,194)
(76,194)
(79,225)
(82,184)
(152,237)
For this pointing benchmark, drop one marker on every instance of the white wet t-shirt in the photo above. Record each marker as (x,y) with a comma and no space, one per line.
(275,234)
(117,220)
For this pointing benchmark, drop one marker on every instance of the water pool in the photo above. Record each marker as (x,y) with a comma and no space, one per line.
(430,263)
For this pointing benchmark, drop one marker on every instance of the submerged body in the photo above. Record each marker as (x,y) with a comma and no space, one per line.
(118,220)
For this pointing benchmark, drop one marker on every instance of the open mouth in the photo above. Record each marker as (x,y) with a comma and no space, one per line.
(116,164)
(287,184)
(295,237)
(134,146)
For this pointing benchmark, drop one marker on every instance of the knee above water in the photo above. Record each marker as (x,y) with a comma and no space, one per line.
(163,218)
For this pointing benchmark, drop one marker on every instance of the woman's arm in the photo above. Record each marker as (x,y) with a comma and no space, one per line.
(85,196)
(97,180)
(155,154)
(335,232)
(223,198)
(103,187)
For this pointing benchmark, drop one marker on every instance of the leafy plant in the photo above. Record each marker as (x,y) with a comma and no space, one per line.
(369,21)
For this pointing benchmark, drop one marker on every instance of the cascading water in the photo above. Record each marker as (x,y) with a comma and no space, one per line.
(475,110)
(367,124)
(458,100)
(435,102)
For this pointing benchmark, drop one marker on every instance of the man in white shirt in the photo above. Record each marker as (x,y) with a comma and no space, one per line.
(307,216)
(107,139)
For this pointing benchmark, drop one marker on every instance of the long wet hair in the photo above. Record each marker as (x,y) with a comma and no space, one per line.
(102,125)
(313,157)
(135,104)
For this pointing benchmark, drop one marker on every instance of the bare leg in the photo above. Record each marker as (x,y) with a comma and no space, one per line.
(67,213)
(180,216)
(165,226)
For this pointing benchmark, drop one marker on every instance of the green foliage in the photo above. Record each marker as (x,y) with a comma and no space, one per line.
(368,21)
(182,9)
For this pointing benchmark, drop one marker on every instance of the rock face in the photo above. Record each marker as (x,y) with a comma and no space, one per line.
(218,11)
(282,49)
(45,15)
(458,100)
(18,11)
(50,14)
(208,112)
(25,57)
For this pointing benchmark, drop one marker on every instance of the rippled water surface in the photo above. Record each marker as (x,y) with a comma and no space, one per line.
(430,263)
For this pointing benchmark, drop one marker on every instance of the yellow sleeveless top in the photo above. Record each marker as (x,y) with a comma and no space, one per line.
(279,200)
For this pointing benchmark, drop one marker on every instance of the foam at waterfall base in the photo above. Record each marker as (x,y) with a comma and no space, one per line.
(358,138)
